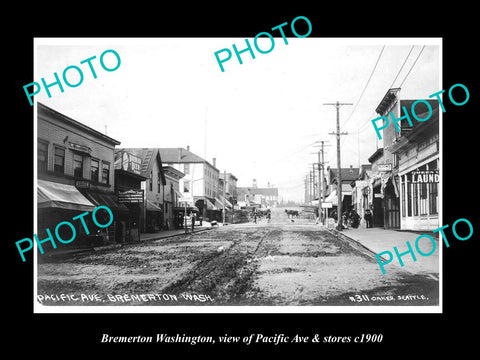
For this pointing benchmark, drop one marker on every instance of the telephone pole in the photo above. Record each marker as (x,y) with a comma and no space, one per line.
(321,176)
(339,177)
(224,194)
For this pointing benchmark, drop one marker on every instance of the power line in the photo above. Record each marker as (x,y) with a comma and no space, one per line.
(406,76)
(366,85)
(364,126)
(401,68)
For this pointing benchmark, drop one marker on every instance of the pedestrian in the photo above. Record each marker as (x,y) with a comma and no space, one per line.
(193,221)
(345,220)
(269,216)
(254,216)
(368,218)
(354,219)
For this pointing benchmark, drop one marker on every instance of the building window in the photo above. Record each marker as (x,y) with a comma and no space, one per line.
(415,199)
(95,170)
(158,182)
(186,169)
(186,186)
(433,191)
(150,181)
(433,198)
(42,156)
(403,198)
(423,199)
(105,173)
(59,164)
(409,199)
(78,165)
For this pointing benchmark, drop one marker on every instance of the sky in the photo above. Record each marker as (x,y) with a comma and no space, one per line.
(261,119)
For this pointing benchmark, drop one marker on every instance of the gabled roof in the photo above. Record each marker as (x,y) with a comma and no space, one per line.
(347,174)
(179,155)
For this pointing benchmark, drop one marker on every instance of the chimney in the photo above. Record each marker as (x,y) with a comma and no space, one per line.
(214,162)
(188,147)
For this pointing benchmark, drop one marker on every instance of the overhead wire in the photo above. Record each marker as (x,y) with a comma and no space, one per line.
(364,126)
(366,85)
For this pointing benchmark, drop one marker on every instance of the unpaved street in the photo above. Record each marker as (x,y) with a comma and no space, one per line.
(278,263)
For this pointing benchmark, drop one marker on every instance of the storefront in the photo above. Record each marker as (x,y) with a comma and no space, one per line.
(116,232)
(57,202)
(419,196)
(153,217)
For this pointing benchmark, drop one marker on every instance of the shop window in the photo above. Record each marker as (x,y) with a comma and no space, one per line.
(423,199)
(78,165)
(415,199)
(42,156)
(105,173)
(94,170)
(433,191)
(409,199)
(403,199)
(433,198)
(59,164)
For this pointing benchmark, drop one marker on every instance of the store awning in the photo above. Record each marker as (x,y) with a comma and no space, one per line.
(109,200)
(333,198)
(210,205)
(55,195)
(152,207)
(218,203)
(179,194)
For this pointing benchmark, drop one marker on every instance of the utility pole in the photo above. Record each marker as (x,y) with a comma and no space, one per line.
(313,180)
(339,177)
(320,180)
(321,188)
(224,193)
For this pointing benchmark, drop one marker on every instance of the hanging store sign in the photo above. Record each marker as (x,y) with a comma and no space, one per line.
(131,163)
(130,196)
(424,176)
(384,167)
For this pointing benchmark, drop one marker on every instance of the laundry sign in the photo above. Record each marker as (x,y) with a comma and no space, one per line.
(425,176)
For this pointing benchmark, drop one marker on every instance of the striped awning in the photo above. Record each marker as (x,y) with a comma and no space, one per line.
(56,195)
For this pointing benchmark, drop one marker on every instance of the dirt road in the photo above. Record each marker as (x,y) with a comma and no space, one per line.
(278,263)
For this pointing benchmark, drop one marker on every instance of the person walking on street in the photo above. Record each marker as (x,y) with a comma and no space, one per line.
(193,221)
(368,218)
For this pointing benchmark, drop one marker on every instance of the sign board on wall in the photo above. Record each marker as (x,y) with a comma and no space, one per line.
(130,196)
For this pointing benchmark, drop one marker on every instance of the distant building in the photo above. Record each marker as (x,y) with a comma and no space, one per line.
(255,196)
(347,175)
(231,187)
(199,186)
(360,190)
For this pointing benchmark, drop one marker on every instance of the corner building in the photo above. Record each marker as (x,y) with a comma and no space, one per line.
(75,174)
